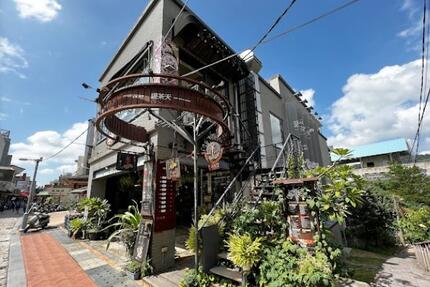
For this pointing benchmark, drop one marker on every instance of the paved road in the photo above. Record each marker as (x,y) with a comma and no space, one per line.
(8,219)
(402,271)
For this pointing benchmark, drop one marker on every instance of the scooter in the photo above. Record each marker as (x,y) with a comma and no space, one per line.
(39,220)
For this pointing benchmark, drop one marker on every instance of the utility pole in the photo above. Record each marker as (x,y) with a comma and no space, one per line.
(396,209)
(32,190)
(196,212)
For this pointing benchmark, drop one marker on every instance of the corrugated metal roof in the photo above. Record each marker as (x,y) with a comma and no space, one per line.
(379,148)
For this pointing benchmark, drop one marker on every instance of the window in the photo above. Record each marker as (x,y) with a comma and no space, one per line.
(370,164)
(276,126)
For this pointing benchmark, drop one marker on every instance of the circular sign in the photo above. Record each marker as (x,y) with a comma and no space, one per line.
(213,154)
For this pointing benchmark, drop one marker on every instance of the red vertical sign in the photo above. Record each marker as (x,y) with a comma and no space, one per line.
(165,212)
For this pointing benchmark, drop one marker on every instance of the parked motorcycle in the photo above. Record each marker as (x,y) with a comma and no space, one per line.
(38,220)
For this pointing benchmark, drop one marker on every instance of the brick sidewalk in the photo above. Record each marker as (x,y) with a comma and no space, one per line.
(48,264)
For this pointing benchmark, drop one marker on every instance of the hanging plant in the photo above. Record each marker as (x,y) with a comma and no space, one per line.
(126,183)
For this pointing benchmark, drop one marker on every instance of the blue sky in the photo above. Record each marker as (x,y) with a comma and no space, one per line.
(358,66)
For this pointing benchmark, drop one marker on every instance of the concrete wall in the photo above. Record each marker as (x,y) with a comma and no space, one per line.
(271,103)
(148,28)
(277,98)
(325,152)
(5,159)
(299,121)
(380,171)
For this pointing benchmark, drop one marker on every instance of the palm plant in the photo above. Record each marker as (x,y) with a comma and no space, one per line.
(127,226)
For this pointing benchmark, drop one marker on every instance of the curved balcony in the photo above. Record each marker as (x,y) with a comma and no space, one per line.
(157,91)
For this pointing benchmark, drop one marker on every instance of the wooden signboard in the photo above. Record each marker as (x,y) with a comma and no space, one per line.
(143,239)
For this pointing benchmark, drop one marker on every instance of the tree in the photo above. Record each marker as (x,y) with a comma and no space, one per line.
(371,224)
(409,184)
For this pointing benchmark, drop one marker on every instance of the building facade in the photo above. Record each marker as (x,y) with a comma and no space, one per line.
(263,114)
(372,161)
(7,170)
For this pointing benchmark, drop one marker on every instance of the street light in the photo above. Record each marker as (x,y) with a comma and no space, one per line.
(33,187)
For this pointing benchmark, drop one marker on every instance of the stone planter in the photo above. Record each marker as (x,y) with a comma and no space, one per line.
(93,235)
(133,275)
(210,247)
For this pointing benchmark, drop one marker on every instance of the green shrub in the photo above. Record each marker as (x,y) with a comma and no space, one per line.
(265,220)
(416,225)
(288,264)
(191,243)
(77,226)
(133,266)
(147,268)
(244,251)
(216,218)
(196,279)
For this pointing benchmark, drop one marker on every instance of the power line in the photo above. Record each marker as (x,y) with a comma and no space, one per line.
(273,25)
(255,45)
(295,28)
(310,21)
(424,58)
(69,144)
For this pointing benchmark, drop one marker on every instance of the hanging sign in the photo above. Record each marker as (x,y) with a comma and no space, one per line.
(147,190)
(126,161)
(173,169)
(213,155)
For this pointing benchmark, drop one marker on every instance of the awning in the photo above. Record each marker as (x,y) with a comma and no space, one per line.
(43,193)
(208,47)
(24,194)
(79,190)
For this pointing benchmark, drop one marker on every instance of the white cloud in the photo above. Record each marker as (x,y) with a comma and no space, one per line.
(46,171)
(412,31)
(409,6)
(46,143)
(3,116)
(16,102)
(379,106)
(309,96)
(66,168)
(12,58)
(42,10)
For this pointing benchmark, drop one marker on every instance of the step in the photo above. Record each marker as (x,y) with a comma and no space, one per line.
(267,186)
(223,255)
(256,194)
(228,273)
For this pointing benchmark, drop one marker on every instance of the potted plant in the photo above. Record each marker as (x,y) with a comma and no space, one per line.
(92,231)
(146,268)
(96,210)
(244,252)
(78,227)
(210,239)
(133,269)
(126,227)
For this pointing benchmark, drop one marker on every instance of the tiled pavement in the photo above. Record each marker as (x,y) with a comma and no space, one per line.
(8,226)
(98,269)
(89,262)
(48,264)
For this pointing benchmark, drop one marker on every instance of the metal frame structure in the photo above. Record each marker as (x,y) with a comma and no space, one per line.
(170,92)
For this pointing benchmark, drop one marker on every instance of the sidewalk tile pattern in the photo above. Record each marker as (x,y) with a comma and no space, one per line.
(48,264)
(99,271)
